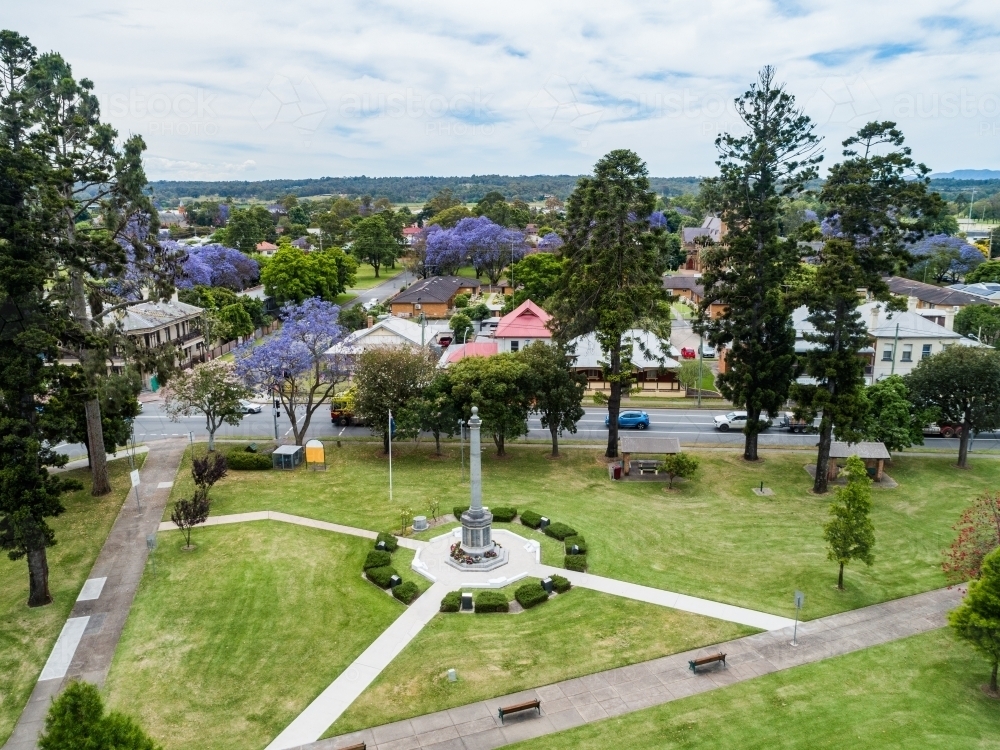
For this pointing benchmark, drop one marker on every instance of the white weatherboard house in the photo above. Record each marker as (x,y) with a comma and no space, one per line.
(390,331)
(897,340)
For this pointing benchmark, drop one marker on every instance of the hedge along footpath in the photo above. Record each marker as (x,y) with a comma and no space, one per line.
(379,570)
(575,557)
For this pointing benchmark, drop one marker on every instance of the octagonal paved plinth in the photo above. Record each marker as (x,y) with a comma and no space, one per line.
(434,562)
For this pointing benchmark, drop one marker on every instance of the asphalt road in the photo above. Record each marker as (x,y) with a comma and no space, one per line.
(691,426)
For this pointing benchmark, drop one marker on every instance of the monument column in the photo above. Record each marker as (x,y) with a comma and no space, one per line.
(477,522)
(475,464)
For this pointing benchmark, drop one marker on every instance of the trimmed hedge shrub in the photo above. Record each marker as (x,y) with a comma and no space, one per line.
(243,461)
(531,594)
(390,541)
(458,511)
(452,601)
(491,601)
(380,576)
(560,585)
(377,559)
(577,563)
(406,592)
(504,514)
(579,541)
(530,518)
(559,530)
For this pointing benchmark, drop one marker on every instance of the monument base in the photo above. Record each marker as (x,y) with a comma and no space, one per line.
(461,560)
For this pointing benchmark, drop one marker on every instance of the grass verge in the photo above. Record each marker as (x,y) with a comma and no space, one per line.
(365,278)
(27,635)
(921,692)
(572,634)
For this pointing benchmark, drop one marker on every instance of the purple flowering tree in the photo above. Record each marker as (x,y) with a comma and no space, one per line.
(942,257)
(295,365)
(550,242)
(489,246)
(218,265)
(443,256)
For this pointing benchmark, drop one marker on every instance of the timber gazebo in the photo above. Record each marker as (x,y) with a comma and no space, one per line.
(629,445)
(873,454)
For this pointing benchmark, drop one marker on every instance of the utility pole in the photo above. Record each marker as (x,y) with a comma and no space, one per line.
(701,363)
(390,457)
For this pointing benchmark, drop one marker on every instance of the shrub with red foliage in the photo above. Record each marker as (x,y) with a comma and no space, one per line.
(978,535)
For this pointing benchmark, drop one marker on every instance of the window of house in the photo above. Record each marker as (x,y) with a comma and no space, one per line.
(887,353)
(907,353)
(515,345)
(925,352)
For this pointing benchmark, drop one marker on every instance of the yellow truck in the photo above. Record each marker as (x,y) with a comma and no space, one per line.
(342,409)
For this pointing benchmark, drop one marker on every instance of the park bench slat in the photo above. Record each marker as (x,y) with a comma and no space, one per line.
(703,660)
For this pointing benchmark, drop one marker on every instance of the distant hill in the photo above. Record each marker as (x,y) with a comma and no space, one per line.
(968,174)
(402,189)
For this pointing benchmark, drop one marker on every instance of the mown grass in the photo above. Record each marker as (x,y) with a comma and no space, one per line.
(711,537)
(572,634)
(27,635)
(225,645)
(920,692)
(365,278)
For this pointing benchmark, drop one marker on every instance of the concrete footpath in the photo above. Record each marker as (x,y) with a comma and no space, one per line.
(87,643)
(619,691)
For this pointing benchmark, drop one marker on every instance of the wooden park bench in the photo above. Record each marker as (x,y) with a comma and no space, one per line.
(645,466)
(537,704)
(702,661)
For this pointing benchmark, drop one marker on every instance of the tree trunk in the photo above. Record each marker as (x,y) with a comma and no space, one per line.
(385,443)
(437,442)
(555,441)
(100,484)
(993,678)
(211,441)
(38,578)
(963,443)
(498,439)
(840,578)
(614,399)
(821,484)
(751,431)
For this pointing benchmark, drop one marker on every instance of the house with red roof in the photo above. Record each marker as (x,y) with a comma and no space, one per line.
(523,325)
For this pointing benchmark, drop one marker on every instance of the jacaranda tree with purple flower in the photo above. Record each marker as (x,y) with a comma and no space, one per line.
(295,365)
(489,246)
(550,242)
(944,258)
(217,265)
(443,256)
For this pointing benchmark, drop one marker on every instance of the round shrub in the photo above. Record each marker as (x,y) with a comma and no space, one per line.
(577,563)
(491,601)
(504,514)
(579,541)
(380,576)
(406,592)
(377,559)
(531,594)
(243,461)
(559,530)
(530,518)
(452,601)
(458,511)
(560,585)
(390,541)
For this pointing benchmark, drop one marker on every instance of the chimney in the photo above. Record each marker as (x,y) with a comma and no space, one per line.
(874,319)
(371,321)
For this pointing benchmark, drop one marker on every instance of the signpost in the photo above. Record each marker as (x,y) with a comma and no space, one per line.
(134,475)
(800,599)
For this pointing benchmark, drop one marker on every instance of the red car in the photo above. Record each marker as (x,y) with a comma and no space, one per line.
(688,353)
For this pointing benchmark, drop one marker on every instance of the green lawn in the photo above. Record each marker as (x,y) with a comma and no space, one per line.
(343,299)
(27,635)
(227,644)
(571,635)
(365,278)
(711,538)
(920,692)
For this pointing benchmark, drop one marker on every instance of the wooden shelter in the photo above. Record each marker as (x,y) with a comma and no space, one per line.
(873,454)
(629,445)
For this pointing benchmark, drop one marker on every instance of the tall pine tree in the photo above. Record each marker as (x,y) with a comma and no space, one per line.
(614,260)
(747,271)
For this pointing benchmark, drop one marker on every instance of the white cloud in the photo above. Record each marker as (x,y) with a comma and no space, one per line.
(385,88)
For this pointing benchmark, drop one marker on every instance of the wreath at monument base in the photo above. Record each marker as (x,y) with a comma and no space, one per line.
(460,555)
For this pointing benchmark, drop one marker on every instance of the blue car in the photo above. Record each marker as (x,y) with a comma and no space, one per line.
(637,419)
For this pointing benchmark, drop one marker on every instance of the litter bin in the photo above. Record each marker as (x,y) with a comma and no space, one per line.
(618,471)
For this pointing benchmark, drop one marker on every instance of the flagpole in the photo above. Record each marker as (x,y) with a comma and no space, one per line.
(390,455)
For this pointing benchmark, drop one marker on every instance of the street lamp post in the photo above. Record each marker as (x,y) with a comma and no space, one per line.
(461,443)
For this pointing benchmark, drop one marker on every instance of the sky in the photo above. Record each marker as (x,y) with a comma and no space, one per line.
(256,90)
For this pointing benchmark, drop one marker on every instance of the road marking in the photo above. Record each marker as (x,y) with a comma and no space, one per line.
(92,589)
(64,650)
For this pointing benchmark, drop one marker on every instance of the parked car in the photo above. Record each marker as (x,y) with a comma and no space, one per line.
(734,420)
(373,302)
(707,351)
(688,353)
(248,407)
(635,419)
